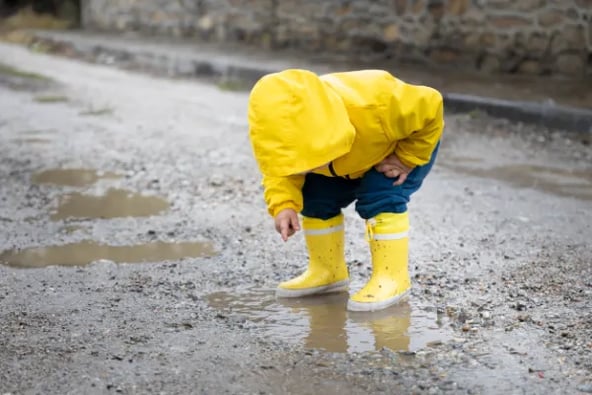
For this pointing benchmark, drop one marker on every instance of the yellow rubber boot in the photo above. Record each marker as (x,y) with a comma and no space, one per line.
(327,271)
(389,245)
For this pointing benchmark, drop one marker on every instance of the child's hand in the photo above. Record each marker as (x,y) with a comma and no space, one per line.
(286,223)
(392,167)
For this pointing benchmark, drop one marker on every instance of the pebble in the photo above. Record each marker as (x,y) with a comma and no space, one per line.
(586,387)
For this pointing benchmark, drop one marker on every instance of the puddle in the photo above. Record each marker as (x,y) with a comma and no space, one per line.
(322,322)
(32,140)
(85,252)
(38,131)
(561,182)
(72,177)
(114,204)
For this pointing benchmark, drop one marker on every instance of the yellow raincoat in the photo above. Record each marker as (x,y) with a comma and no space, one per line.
(299,122)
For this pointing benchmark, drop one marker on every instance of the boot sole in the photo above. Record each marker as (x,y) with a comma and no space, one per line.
(339,286)
(374,306)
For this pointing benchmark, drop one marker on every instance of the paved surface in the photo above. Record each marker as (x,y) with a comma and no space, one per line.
(500,254)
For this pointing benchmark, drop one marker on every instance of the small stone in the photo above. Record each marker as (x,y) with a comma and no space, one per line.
(400,6)
(530,67)
(570,64)
(506,22)
(551,18)
(444,55)
(391,33)
(434,343)
(490,64)
(216,181)
(523,317)
(457,7)
(586,387)
(205,23)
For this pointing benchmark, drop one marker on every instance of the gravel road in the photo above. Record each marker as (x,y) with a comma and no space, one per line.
(137,256)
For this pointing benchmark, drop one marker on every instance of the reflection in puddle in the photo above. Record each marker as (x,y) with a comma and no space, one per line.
(561,182)
(71,177)
(322,322)
(85,252)
(115,203)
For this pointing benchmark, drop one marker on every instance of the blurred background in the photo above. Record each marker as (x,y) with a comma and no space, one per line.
(527,37)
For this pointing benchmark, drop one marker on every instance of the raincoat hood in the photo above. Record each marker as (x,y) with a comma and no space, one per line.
(297,123)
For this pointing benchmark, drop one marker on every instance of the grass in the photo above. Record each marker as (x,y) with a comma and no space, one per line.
(233,85)
(14,72)
(51,99)
(97,112)
(26,18)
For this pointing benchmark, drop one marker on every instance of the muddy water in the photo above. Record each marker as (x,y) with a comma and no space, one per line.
(32,140)
(115,203)
(85,252)
(561,182)
(72,177)
(322,322)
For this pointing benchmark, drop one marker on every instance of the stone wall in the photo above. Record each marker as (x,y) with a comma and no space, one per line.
(511,36)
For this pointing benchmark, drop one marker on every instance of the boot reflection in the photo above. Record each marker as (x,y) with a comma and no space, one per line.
(389,326)
(334,329)
(327,318)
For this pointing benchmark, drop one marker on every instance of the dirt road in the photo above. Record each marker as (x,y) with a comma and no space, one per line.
(152,181)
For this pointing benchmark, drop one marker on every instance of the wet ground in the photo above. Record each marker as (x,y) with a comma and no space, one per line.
(137,256)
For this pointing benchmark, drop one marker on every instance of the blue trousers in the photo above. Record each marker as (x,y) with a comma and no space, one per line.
(374,193)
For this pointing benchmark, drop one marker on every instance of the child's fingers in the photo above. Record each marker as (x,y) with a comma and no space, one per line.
(286,223)
(292,226)
(295,224)
(285,229)
(401,179)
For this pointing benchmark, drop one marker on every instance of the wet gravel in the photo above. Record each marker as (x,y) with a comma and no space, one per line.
(507,265)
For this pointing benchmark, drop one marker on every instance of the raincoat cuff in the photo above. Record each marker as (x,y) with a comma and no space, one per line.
(276,209)
(407,163)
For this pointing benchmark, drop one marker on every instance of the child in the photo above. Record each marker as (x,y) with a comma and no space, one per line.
(322,142)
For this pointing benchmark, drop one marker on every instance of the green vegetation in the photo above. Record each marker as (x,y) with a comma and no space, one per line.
(51,99)
(234,85)
(97,112)
(13,72)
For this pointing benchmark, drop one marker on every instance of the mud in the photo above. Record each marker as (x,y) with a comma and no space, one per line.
(86,252)
(562,182)
(502,287)
(114,203)
(72,177)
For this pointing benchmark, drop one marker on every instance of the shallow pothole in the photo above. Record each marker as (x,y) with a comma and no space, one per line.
(72,177)
(115,203)
(560,182)
(322,322)
(85,252)
(32,140)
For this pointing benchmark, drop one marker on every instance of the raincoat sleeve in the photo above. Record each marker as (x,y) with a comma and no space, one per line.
(417,117)
(283,192)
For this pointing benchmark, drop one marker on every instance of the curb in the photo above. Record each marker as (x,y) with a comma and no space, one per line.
(545,114)
(234,73)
